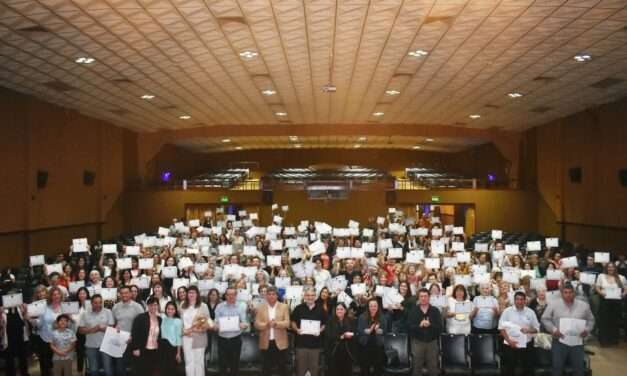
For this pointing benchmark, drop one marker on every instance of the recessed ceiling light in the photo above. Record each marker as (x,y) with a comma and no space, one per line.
(378,113)
(226,140)
(475,116)
(429,139)
(417,147)
(418,53)
(515,95)
(392,92)
(362,138)
(85,60)
(185,117)
(268,92)
(293,138)
(248,55)
(148,96)
(280,113)
(298,146)
(356,146)
(582,58)
(238,148)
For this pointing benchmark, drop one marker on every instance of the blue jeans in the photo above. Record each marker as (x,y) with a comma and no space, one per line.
(96,360)
(563,354)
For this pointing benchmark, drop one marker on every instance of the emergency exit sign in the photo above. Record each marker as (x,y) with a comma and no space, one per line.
(435,198)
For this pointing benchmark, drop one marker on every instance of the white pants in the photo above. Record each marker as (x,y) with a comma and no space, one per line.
(194,359)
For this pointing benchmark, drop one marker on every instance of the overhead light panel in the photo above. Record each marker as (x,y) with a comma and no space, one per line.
(148,97)
(293,138)
(268,92)
(429,139)
(515,95)
(392,92)
(280,113)
(416,147)
(85,60)
(357,146)
(298,146)
(475,116)
(185,117)
(378,114)
(248,55)
(417,53)
(238,148)
(582,58)
(362,138)
(329,88)
(226,140)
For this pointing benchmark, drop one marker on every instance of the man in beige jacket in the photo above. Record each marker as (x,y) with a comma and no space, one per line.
(272,321)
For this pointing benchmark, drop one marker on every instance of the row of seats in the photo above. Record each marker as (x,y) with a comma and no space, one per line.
(459,355)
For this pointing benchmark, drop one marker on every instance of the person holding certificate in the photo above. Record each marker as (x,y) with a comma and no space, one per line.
(196,322)
(459,312)
(611,288)
(93,324)
(14,338)
(145,338)
(486,311)
(339,348)
(231,320)
(308,322)
(45,324)
(372,328)
(124,313)
(271,322)
(567,307)
(516,325)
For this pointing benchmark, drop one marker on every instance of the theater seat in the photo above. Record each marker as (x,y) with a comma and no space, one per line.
(211,357)
(454,355)
(483,356)
(543,361)
(400,344)
(250,358)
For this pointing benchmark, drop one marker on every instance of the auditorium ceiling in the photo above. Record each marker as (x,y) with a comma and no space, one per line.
(154,65)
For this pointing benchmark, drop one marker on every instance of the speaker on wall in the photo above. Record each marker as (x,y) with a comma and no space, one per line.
(89,177)
(575,174)
(42,179)
(267,197)
(622,176)
(390,197)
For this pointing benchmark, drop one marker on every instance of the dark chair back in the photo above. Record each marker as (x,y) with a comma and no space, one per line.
(454,350)
(483,350)
(250,357)
(399,344)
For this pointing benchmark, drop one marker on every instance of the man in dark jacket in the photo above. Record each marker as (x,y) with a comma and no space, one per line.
(425,326)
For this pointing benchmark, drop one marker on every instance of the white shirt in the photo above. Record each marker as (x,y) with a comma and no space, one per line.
(272,316)
(525,318)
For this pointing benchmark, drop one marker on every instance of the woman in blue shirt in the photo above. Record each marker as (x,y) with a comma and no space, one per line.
(171,342)
(45,324)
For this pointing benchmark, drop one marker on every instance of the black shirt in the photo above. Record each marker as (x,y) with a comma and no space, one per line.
(415,316)
(302,312)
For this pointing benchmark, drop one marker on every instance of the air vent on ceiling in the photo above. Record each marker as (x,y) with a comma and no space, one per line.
(120,112)
(34,29)
(445,19)
(492,106)
(122,80)
(608,82)
(544,78)
(235,20)
(402,75)
(541,109)
(59,86)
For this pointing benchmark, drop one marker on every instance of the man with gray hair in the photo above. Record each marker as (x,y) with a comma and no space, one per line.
(308,344)
(272,322)
(567,345)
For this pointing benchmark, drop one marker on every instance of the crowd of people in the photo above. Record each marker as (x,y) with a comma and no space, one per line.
(160,298)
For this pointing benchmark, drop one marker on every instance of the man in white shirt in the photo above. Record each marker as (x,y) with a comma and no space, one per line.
(516,325)
(271,323)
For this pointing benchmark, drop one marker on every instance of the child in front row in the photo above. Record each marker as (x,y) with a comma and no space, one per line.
(63,344)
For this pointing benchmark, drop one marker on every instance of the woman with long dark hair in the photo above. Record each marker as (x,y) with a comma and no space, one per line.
(339,347)
(171,339)
(371,329)
(82,296)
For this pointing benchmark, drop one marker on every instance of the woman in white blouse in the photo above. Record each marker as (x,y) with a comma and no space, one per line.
(196,322)
(611,287)
(459,312)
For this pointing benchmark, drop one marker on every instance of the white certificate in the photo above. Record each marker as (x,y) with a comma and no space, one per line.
(514,332)
(538,283)
(228,324)
(569,262)
(436,231)
(511,276)
(612,292)
(273,260)
(69,308)
(205,284)
(481,247)
(458,246)
(146,263)
(311,327)
(294,292)
(449,262)
(114,342)
(552,242)
(169,272)
(497,234)
(385,244)
(36,309)
(368,247)
(437,300)
(317,248)
(553,275)
(463,279)
(432,263)
(200,267)
(131,250)
(437,246)
(37,260)
(463,307)
(602,257)
(358,289)
(395,253)
(282,282)
(142,282)
(414,257)
(179,282)
(463,257)
(339,283)
(458,230)
(481,278)
(572,329)
(534,246)
(512,249)
(74,286)
(52,268)
(588,278)
(109,294)
(225,250)
(109,249)
(124,263)
(12,300)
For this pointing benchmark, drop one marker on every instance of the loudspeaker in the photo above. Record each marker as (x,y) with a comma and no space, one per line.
(575,174)
(390,197)
(42,179)
(622,176)
(89,177)
(267,197)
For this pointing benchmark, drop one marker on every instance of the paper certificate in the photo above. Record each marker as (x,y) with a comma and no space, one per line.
(602,257)
(74,286)
(515,334)
(109,294)
(12,300)
(109,249)
(228,324)
(432,263)
(146,263)
(69,308)
(463,307)
(395,253)
(294,292)
(37,260)
(437,300)
(612,292)
(588,278)
(273,260)
(36,309)
(311,327)
(114,342)
(169,272)
(358,289)
(124,263)
(572,329)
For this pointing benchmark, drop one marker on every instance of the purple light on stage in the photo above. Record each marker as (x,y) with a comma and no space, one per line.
(491,178)
(165,176)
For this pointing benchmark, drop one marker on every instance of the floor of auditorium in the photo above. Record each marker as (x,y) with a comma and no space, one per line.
(608,361)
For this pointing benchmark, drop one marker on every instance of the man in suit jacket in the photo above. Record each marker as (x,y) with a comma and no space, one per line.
(271,321)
